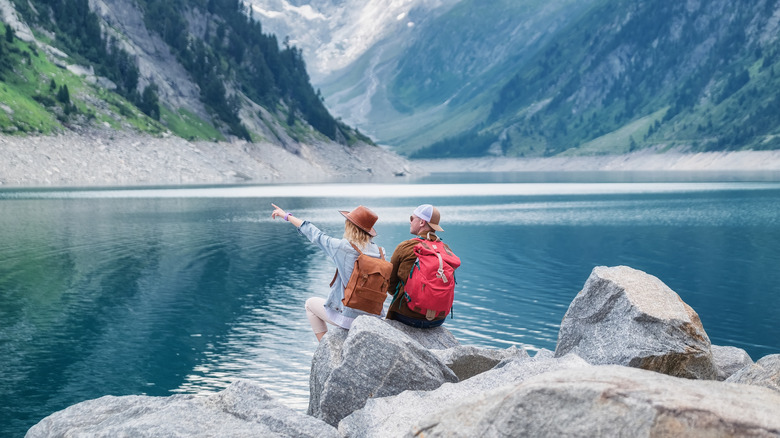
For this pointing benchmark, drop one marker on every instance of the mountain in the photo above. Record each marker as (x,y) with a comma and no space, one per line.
(430,78)
(333,34)
(202,69)
(430,67)
(534,78)
(634,74)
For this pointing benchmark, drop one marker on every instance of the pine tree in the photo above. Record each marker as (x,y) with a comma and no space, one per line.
(63,95)
(150,103)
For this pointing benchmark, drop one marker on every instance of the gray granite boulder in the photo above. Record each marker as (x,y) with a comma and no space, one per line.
(326,358)
(243,409)
(468,361)
(437,338)
(543,352)
(765,372)
(609,400)
(375,359)
(627,317)
(394,416)
(728,360)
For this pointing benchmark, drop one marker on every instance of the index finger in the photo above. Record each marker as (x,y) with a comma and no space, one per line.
(274,205)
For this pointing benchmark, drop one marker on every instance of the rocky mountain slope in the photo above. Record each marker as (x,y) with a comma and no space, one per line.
(200,70)
(429,69)
(547,78)
(90,73)
(103,158)
(335,34)
(629,75)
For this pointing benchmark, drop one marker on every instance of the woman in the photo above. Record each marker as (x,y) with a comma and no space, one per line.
(358,230)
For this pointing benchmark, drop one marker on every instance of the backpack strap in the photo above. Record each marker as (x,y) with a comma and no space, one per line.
(356,248)
(335,276)
(381,254)
(381,251)
(440,271)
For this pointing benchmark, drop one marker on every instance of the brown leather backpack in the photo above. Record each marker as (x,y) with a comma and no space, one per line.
(366,289)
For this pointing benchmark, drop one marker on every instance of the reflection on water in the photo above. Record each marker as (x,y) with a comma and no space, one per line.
(183,291)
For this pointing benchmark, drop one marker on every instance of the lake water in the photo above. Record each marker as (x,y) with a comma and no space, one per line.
(162,291)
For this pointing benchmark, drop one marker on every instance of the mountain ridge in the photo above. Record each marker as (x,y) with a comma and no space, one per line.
(684,67)
(605,77)
(103,101)
(438,78)
(200,69)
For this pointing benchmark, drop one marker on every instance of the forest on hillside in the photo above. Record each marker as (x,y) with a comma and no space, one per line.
(78,33)
(232,54)
(634,74)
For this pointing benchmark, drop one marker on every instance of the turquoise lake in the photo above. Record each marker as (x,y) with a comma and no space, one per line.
(161,291)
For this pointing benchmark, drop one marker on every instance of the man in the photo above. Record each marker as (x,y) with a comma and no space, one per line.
(424,223)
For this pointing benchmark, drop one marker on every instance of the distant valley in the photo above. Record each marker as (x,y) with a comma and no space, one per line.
(427,78)
(535,79)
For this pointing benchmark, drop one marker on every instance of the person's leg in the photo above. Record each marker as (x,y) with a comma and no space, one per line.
(315,311)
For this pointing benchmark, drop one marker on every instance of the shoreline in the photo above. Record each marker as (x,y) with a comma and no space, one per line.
(118,158)
(645,160)
(100,158)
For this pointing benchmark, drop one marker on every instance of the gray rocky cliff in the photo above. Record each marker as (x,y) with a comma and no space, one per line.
(156,63)
(383,379)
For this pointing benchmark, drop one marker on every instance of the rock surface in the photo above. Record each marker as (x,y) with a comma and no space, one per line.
(116,158)
(765,372)
(327,357)
(437,338)
(610,400)
(384,379)
(469,361)
(626,317)
(241,410)
(394,416)
(374,360)
(728,360)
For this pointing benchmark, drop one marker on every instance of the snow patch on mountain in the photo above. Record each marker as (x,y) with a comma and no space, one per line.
(335,33)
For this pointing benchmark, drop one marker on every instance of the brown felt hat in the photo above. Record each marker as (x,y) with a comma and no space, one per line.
(363,218)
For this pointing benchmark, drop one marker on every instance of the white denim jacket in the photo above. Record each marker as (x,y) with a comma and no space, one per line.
(344,256)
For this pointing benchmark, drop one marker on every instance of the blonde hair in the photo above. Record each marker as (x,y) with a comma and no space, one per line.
(355,235)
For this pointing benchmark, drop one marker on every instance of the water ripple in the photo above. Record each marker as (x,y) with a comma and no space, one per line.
(158,292)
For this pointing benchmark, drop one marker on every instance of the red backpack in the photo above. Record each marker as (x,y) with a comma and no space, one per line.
(430,289)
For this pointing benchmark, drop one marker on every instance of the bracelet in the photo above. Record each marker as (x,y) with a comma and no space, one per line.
(287,217)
